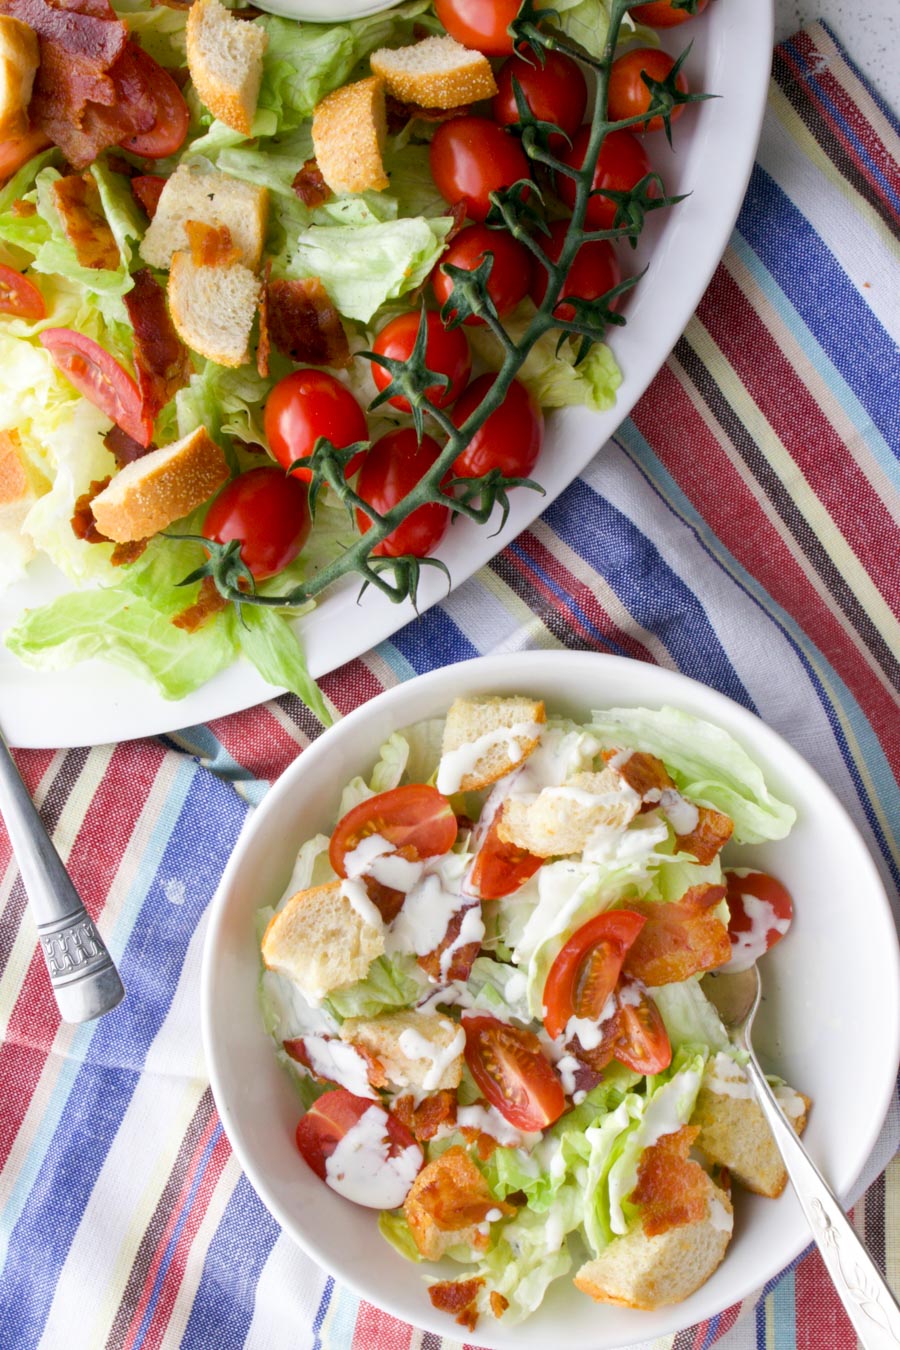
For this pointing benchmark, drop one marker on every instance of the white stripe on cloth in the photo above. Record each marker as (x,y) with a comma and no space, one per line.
(288,1293)
(193,1270)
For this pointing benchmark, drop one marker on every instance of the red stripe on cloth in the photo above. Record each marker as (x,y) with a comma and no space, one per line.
(377,1330)
(727,1319)
(32,765)
(820,1319)
(257,740)
(807,435)
(680,438)
(35,1017)
(350,686)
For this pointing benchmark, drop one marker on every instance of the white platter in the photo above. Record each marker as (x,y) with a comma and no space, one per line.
(832,997)
(715,143)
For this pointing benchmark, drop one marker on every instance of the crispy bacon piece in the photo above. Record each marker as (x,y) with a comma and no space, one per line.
(462,959)
(147,188)
(264,345)
(83,524)
(211,245)
(425,1119)
(21,209)
(399,113)
(643,773)
(650,779)
(309,184)
(679,939)
(459,1297)
(712,831)
(305,325)
(499,1304)
(123,554)
(671,1190)
(77,199)
(162,362)
(208,603)
(484,1144)
(296,1048)
(125,448)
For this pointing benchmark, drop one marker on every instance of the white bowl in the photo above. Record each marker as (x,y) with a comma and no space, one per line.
(830,1022)
(327,11)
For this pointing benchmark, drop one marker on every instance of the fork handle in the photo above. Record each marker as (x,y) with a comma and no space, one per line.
(870,1304)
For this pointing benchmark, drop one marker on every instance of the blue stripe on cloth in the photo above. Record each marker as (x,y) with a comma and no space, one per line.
(884,107)
(223,1305)
(150,966)
(784,1310)
(432,640)
(321,1311)
(653,594)
(871,752)
(825,298)
(340,1325)
(531,564)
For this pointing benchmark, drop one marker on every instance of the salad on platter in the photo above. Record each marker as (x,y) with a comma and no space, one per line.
(488,987)
(279,301)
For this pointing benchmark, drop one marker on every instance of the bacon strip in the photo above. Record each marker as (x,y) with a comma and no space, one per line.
(459,1297)
(83,524)
(125,448)
(399,113)
(208,603)
(162,362)
(77,199)
(679,939)
(309,184)
(712,831)
(425,1119)
(147,188)
(462,958)
(650,779)
(305,325)
(671,1190)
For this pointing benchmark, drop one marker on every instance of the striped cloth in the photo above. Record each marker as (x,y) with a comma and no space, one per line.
(742,528)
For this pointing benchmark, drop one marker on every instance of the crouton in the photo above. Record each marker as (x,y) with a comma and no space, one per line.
(734,1132)
(485,738)
(561,820)
(19,59)
(636,1271)
(225,58)
(162,486)
(77,201)
(212,198)
(320,941)
(348,131)
(213,308)
(416,1050)
(437,72)
(448,1205)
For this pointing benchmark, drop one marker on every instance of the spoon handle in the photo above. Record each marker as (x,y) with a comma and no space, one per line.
(870,1304)
(85,982)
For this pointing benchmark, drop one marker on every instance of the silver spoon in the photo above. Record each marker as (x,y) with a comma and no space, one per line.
(869,1302)
(84,980)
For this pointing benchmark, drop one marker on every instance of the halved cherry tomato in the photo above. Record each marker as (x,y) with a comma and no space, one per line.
(268,511)
(510,274)
(391,469)
(500,868)
(167,134)
(18,150)
(333,1115)
(629,96)
(595,270)
(20,296)
(147,187)
(755,933)
(664,14)
(587,968)
(555,92)
(643,1042)
(510,439)
(621,165)
(480,24)
(100,378)
(446,353)
(415,818)
(512,1071)
(471,157)
(308,404)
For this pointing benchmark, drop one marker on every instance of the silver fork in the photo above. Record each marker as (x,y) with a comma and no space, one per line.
(85,982)
(870,1304)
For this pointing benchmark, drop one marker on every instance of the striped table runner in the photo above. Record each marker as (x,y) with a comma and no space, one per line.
(742,528)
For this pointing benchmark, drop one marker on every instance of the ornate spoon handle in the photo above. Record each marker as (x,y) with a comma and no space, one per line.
(85,981)
(869,1302)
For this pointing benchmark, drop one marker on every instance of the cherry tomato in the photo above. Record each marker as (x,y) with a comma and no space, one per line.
(147,187)
(100,378)
(629,95)
(663,14)
(587,968)
(308,404)
(555,92)
(167,134)
(470,158)
(643,1042)
(333,1115)
(761,910)
(20,296)
(500,868)
(510,274)
(268,511)
(446,353)
(481,24)
(512,1071)
(415,818)
(510,439)
(595,270)
(390,470)
(621,164)
(18,150)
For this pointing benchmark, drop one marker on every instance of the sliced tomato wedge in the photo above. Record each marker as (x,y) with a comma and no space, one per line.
(415,818)
(147,188)
(512,1071)
(760,911)
(172,114)
(501,868)
(332,1116)
(100,378)
(20,296)
(587,968)
(643,1042)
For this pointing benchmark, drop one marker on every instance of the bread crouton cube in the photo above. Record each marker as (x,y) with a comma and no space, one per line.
(225,58)
(348,131)
(213,308)
(211,198)
(734,1132)
(19,58)
(163,485)
(437,72)
(485,739)
(415,1049)
(448,1205)
(320,941)
(562,820)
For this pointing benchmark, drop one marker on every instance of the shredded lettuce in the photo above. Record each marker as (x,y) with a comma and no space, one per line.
(551,376)
(392,982)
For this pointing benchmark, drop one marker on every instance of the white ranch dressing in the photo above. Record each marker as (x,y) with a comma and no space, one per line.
(339,1063)
(682,815)
(748,947)
(624,847)
(416,1046)
(589,1030)
(726,1078)
(423,921)
(471,930)
(488,1120)
(359,860)
(559,755)
(361,1170)
(457,764)
(355,891)
(400,874)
